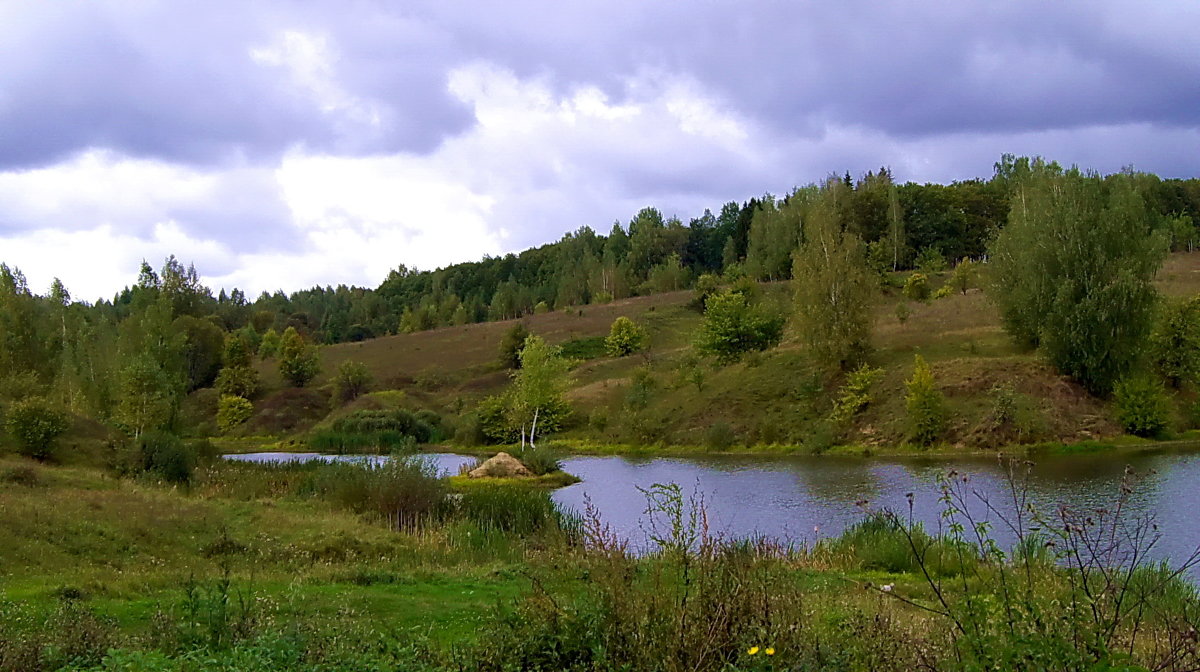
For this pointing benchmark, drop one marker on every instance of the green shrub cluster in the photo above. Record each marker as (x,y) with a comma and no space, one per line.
(378,430)
(1143,407)
(625,337)
(35,425)
(733,326)
(925,404)
(855,393)
(233,411)
(916,287)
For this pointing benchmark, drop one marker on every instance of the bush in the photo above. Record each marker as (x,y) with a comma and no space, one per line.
(36,426)
(964,276)
(902,312)
(1143,408)
(164,455)
(719,436)
(378,430)
(1175,342)
(625,337)
(511,344)
(353,379)
(733,327)
(232,411)
(855,394)
(925,405)
(238,381)
(916,287)
(540,460)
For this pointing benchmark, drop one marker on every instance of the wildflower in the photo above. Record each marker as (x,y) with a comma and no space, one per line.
(752,650)
(770,651)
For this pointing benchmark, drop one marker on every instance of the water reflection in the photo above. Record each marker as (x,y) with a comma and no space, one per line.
(800,499)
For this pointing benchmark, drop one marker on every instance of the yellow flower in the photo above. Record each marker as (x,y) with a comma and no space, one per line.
(752,650)
(770,651)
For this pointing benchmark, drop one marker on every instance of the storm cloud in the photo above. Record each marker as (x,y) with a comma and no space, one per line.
(279,145)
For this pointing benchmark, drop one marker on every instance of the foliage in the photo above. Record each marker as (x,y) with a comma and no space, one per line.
(719,436)
(855,393)
(233,411)
(733,326)
(538,389)
(165,455)
(1175,342)
(834,286)
(353,379)
(298,361)
(269,346)
(510,346)
(924,403)
(1143,408)
(625,337)
(916,287)
(377,430)
(706,285)
(35,425)
(1072,272)
(965,275)
(931,261)
(238,381)
(902,312)
(540,460)
(149,396)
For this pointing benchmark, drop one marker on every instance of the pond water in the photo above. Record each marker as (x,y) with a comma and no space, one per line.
(799,499)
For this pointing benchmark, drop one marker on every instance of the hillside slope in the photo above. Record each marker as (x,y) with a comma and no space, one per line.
(773,398)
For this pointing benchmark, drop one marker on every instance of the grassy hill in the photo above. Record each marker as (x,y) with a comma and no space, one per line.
(776,398)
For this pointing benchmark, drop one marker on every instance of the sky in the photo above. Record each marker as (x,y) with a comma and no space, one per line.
(280,145)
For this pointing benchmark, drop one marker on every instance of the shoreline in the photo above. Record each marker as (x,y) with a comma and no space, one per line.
(1120,445)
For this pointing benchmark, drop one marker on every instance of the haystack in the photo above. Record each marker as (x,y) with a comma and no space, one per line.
(502,465)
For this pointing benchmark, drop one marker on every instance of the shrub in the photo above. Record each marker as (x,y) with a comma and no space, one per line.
(930,260)
(510,346)
(916,287)
(719,436)
(1143,408)
(540,460)
(36,426)
(353,379)
(943,291)
(925,404)
(733,327)
(163,454)
(964,276)
(641,389)
(232,411)
(1175,342)
(855,394)
(903,312)
(706,286)
(269,345)
(238,381)
(625,337)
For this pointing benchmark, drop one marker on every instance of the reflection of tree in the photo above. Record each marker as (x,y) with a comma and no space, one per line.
(838,483)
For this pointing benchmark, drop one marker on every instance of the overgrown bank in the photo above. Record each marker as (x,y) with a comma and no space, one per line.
(316,567)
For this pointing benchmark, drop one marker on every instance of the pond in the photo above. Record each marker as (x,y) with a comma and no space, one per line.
(799,499)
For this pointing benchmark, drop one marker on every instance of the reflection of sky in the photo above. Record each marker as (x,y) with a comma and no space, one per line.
(799,499)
